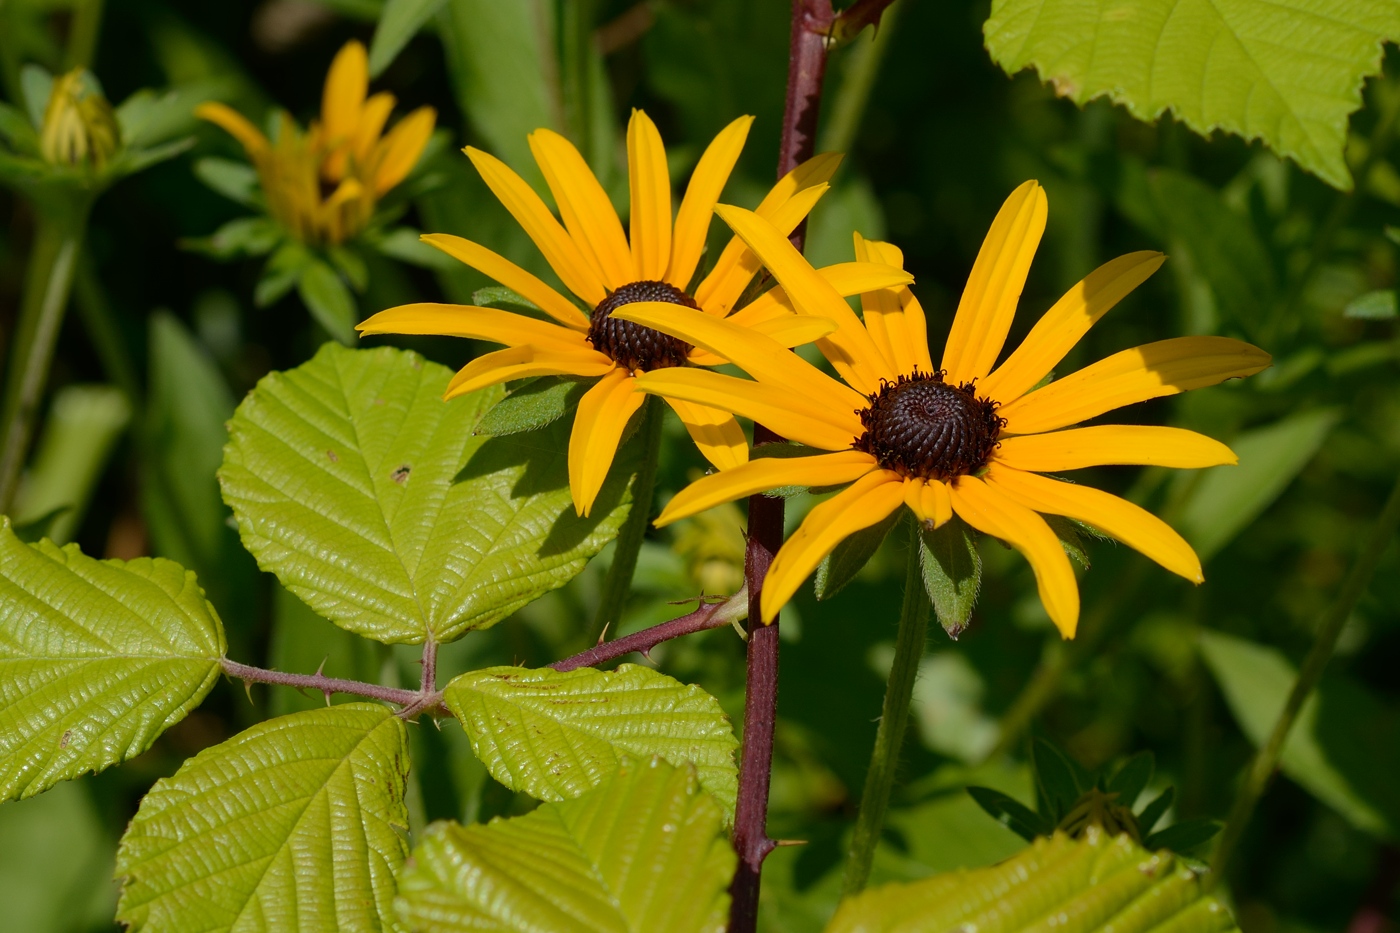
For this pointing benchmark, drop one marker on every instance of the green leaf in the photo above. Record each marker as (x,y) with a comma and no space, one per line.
(150,118)
(237,181)
(1056,778)
(952,571)
(1372,306)
(1184,836)
(1070,539)
(97,659)
(1227,499)
(1132,778)
(1152,814)
(399,22)
(1289,73)
(850,556)
(37,85)
(556,735)
(405,245)
(1011,813)
(242,236)
(369,497)
(282,272)
(641,853)
(533,405)
(496,296)
(1345,744)
(296,823)
(18,132)
(1086,885)
(328,299)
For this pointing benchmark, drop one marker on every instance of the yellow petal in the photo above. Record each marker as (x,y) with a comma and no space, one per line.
(588,215)
(759,356)
(1145,445)
(372,119)
(762,475)
(892,314)
(994,512)
(783,410)
(868,501)
(701,194)
(402,147)
(850,349)
(478,323)
(794,330)
(346,85)
(502,270)
(994,286)
(717,435)
(1150,371)
(522,363)
(1068,320)
(785,206)
(650,184)
(937,504)
(236,125)
(603,413)
(1118,518)
(848,278)
(562,254)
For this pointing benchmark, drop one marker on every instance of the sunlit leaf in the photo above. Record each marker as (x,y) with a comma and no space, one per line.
(399,23)
(952,571)
(1086,885)
(640,854)
(1228,498)
(97,659)
(371,499)
(533,405)
(329,300)
(297,823)
(1345,743)
(556,735)
(1289,73)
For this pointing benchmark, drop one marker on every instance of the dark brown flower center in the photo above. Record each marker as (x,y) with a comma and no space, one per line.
(633,345)
(925,427)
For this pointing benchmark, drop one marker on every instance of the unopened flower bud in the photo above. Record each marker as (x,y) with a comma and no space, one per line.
(79,125)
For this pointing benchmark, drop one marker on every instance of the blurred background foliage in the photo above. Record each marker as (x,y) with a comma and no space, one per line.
(161,340)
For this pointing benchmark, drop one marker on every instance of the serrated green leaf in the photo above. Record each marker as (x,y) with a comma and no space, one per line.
(952,571)
(1132,779)
(236,181)
(1184,836)
(1086,885)
(1372,306)
(642,853)
(556,735)
(1227,499)
(97,659)
(850,556)
(369,497)
(1289,73)
(399,22)
(1011,813)
(329,300)
(297,823)
(533,405)
(1344,748)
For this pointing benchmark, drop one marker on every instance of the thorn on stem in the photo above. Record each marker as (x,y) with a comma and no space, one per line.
(603,635)
(777,843)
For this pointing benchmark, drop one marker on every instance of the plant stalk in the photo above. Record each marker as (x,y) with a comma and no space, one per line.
(48,281)
(711,615)
(894,720)
(617,585)
(1261,769)
(415,700)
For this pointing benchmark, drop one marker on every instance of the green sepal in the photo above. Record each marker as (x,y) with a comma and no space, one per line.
(18,132)
(406,245)
(1011,813)
(495,296)
(242,236)
(37,85)
(328,299)
(1184,836)
(850,556)
(1132,778)
(1152,814)
(282,272)
(1068,532)
(1058,781)
(952,572)
(532,405)
(237,181)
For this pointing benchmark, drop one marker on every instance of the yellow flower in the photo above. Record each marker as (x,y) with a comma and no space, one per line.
(607,270)
(322,185)
(966,438)
(78,123)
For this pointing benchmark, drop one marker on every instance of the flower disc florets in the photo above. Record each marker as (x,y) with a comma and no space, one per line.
(633,345)
(921,426)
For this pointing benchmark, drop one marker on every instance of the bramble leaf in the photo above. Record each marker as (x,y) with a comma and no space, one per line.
(97,659)
(557,735)
(643,852)
(296,823)
(1289,73)
(1081,885)
(368,496)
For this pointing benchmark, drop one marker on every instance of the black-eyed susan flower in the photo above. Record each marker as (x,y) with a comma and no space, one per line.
(607,269)
(968,437)
(322,184)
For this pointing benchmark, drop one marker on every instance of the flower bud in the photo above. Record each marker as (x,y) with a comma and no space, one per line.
(79,125)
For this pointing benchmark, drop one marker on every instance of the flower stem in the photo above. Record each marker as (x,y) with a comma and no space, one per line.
(49,279)
(711,615)
(618,583)
(894,719)
(1261,769)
